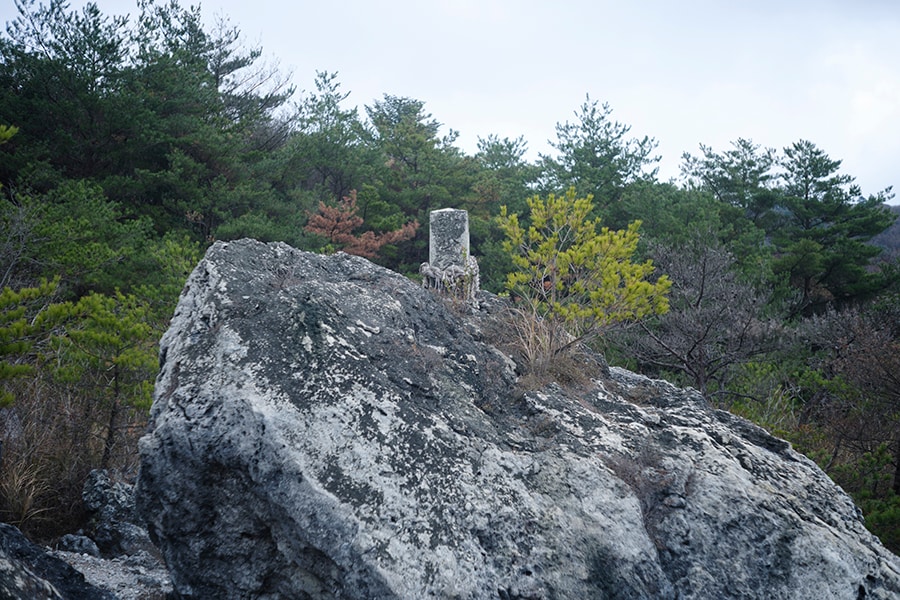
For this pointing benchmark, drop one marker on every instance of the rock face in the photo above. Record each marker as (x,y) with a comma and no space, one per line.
(323,428)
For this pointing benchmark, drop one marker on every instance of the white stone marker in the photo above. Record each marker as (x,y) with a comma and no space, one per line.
(449,244)
(450,268)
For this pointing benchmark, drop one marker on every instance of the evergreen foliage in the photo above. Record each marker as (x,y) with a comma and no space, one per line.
(26,316)
(108,352)
(572,271)
(595,157)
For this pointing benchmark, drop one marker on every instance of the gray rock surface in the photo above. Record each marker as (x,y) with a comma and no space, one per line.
(323,428)
(30,572)
(114,526)
(141,576)
(115,553)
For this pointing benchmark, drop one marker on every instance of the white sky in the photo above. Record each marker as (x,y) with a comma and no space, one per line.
(685,73)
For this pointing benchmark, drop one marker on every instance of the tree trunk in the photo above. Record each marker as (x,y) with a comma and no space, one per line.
(896,486)
(111,426)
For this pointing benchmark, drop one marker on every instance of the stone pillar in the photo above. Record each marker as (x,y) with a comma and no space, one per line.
(450,269)
(449,242)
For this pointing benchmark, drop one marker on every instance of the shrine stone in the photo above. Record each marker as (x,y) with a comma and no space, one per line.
(450,269)
(449,238)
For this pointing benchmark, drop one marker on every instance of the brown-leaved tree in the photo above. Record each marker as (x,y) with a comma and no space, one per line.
(337,223)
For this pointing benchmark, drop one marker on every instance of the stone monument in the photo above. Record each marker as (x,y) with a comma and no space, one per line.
(450,269)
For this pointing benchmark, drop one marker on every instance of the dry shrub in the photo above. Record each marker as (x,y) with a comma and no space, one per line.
(777,412)
(21,489)
(51,439)
(544,352)
(536,340)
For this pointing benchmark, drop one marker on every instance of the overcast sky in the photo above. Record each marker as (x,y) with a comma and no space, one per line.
(685,73)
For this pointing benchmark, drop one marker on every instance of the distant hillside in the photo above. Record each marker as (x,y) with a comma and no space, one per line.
(889,239)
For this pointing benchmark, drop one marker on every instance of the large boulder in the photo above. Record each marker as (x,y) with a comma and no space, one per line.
(324,428)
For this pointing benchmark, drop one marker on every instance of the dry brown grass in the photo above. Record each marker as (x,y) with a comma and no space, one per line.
(543,352)
(22,489)
(51,439)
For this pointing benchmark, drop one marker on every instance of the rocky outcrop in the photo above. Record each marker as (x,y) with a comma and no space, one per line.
(29,572)
(113,526)
(114,551)
(324,428)
(130,569)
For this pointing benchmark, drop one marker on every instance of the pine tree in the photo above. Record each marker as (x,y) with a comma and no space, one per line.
(108,351)
(26,315)
(572,273)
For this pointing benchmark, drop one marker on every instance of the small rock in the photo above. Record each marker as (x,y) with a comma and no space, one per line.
(78,543)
